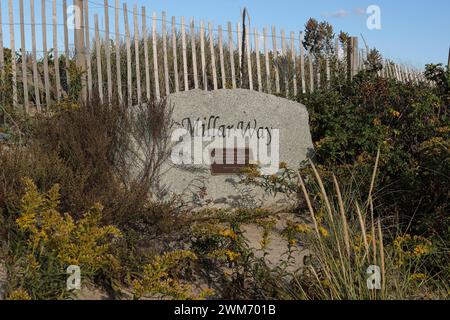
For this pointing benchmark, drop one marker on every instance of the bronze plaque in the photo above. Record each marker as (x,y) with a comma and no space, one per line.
(240,159)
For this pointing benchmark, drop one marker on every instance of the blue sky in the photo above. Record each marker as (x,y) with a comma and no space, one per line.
(412,32)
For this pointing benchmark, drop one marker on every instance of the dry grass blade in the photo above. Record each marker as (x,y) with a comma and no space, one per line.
(363,229)
(374,242)
(344,219)
(308,202)
(383,268)
(322,191)
(374,174)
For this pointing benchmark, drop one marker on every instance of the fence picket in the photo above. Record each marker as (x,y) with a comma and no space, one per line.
(239,41)
(184,49)
(79,45)
(146,61)
(88,49)
(44,48)
(194,53)
(166,61)
(99,60)
(175,58)
(302,64)
(275,59)
(266,53)
(337,49)
(249,58)
(107,52)
(118,62)
(284,55)
(155,58)
(355,53)
(327,66)
(128,45)
(136,53)
(56,52)
(13,54)
(319,84)
(221,57)
(202,49)
(24,59)
(213,55)
(294,63)
(258,60)
(66,42)
(311,72)
(34,57)
(231,48)
(397,72)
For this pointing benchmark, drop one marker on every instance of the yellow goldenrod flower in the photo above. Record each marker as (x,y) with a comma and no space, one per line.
(228,233)
(325,283)
(324,232)
(232,256)
(302,228)
(251,172)
(283,165)
(264,243)
(443,129)
(376,122)
(156,278)
(421,250)
(411,248)
(48,233)
(19,294)
(418,277)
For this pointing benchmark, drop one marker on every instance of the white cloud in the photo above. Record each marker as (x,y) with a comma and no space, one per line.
(360,11)
(342,13)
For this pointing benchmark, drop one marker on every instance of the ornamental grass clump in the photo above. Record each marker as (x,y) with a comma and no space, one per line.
(353,256)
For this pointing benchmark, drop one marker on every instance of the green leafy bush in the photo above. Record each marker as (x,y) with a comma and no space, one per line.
(409,123)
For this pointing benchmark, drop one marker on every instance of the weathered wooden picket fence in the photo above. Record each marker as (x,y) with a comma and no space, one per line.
(147,57)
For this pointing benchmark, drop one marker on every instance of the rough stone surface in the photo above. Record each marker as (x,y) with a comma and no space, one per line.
(232,107)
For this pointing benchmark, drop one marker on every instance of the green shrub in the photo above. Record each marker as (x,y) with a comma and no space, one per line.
(409,123)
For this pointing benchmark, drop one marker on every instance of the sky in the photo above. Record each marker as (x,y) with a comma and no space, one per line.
(412,32)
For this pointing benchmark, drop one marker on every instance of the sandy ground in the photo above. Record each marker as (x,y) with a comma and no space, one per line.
(276,251)
(277,247)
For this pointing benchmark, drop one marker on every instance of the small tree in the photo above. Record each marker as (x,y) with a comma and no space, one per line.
(374,61)
(319,38)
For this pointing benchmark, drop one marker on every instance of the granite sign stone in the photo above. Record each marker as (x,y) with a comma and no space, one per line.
(277,127)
